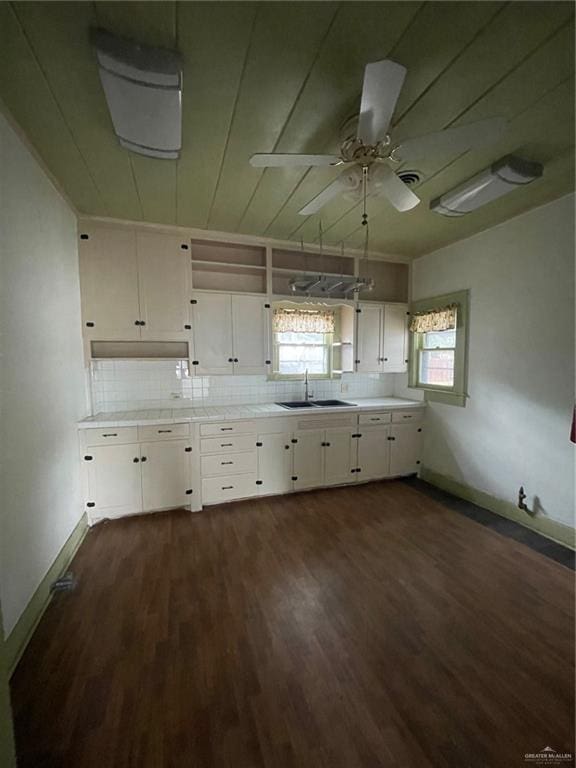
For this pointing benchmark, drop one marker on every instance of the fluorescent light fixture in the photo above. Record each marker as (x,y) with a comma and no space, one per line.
(143,88)
(502,177)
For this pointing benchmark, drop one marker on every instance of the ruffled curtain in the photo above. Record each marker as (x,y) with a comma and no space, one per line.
(441,319)
(303,321)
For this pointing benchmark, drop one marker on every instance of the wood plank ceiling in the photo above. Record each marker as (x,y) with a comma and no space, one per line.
(284,76)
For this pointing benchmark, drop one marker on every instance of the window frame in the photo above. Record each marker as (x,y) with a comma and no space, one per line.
(457,394)
(277,374)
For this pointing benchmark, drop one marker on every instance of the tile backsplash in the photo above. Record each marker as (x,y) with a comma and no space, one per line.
(120,385)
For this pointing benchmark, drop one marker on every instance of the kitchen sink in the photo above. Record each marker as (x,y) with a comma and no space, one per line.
(314,404)
(297,404)
(331,403)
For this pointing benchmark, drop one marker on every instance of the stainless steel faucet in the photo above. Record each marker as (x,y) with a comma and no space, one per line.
(307,394)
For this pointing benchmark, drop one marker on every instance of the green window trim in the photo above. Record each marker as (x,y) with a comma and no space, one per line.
(457,394)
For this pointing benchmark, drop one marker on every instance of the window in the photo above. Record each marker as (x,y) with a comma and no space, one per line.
(303,341)
(438,347)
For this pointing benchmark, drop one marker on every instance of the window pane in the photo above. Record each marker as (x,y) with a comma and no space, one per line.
(293,359)
(288,337)
(439,339)
(437,367)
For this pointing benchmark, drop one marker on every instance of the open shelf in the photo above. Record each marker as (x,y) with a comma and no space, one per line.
(228,267)
(300,262)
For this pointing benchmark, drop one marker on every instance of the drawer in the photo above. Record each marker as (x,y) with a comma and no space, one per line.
(228,488)
(110,436)
(375,418)
(399,417)
(163,432)
(227,428)
(227,444)
(227,463)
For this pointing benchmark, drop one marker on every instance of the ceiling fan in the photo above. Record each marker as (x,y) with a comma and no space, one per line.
(367,157)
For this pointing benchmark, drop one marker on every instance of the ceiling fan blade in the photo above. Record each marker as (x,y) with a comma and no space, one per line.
(383,82)
(278,160)
(349,180)
(385,183)
(452,140)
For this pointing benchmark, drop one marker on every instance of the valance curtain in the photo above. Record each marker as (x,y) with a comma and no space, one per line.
(303,321)
(440,319)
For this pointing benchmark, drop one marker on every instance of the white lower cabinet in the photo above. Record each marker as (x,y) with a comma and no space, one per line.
(228,488)
(405,448)
(166,474)
(274,463)
(373,452)
(114,480)
(308,459)
(339,455)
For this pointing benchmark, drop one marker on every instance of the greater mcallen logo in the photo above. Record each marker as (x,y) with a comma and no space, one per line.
(548,756)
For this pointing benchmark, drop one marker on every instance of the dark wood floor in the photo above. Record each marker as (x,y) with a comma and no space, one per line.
(349,627)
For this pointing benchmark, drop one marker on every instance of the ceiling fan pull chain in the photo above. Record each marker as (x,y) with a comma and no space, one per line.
(364,188)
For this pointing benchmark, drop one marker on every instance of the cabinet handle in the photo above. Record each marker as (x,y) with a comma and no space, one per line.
(224,463)
(187,327)
(391,438)
(184,247)
(227,487)
(135,460)
(258,445)
(143,458)
(385,360)
(235,359)
(420,429)
(226,429)
(226,445)
(90,325)
(230,359)
(287,447)
(293,440)
(90,504)
(164,431)
(136,322)
(88,458)
(193,301)
(110,434)
(83,237)
(142,322)
(259,482)
(294,477)
(187,450)
(194,362)
(189,491)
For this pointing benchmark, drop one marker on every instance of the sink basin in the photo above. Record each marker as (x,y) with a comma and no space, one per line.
(314,404)
(331,403)
(297,404)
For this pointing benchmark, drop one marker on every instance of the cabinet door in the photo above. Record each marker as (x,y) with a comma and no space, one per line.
(250,334)
(212,329)
(164,276)
(369,339)
(274,463)
(166,474)
(339,456)
(394,347)
(373,453)
(109,284)
(308,461)
(114,480)
(405,447)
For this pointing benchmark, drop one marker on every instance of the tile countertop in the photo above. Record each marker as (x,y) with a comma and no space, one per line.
(234,412)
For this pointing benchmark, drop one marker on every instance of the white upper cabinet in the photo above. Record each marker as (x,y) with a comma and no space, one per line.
(250,334)
(164,277)
(395,338)
(135,285)
(382,338)
(369,339)
(230,333)
(109,283)
(212,328)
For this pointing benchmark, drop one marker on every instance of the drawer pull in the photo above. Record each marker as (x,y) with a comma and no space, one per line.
(188,492)
(110,434)
(406,416)
(88,458)
(226,445)
(375,419)
(226,429)
(164,431)
(188,450)
(227,488)
(224,463)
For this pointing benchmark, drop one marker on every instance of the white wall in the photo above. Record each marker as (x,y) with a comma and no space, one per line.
(515,427)
(41,375)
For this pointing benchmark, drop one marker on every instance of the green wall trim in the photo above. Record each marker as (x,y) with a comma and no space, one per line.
(7,748)
(16,642)
(552,529)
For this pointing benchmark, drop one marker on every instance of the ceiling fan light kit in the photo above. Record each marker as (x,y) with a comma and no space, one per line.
(371,156)
(143,89)
(502,177)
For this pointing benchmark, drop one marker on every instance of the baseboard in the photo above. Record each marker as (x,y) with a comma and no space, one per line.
(16,642)
(552,529)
